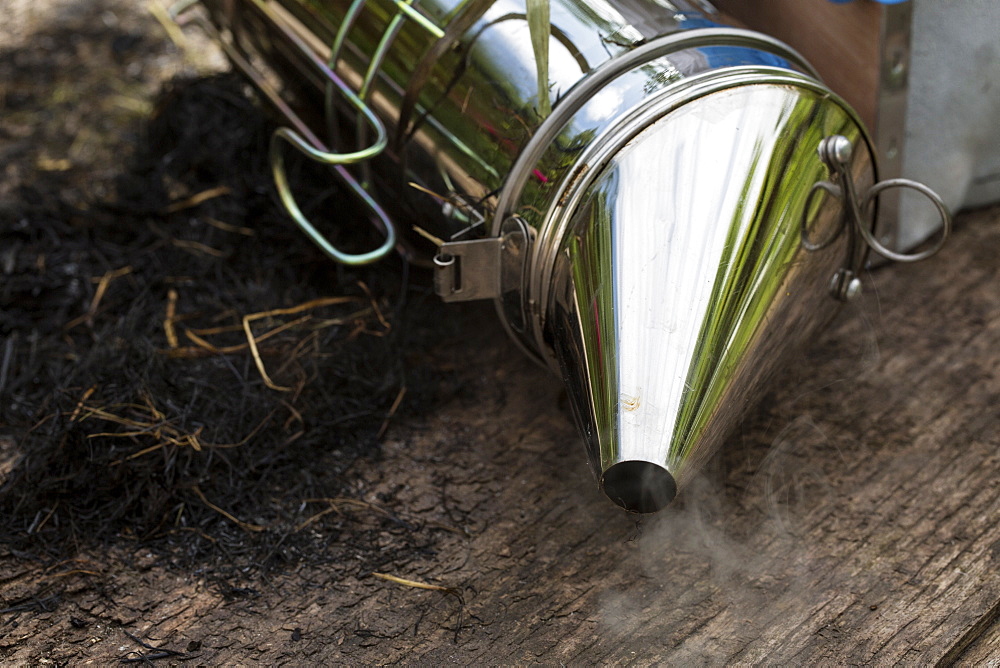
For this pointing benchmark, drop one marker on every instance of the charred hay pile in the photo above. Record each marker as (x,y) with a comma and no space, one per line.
(180,369)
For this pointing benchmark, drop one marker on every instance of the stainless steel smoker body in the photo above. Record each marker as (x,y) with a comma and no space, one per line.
(923,76)
(659,205)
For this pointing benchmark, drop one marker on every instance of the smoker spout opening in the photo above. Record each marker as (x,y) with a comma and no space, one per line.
(638,486)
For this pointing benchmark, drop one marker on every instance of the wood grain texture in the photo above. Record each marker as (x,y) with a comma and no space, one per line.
(841,41)
(853,520)
(984,644)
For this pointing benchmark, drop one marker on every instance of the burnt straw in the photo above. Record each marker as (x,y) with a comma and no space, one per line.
(143,336)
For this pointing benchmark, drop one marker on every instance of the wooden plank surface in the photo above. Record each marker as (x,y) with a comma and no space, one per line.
(984,647)
(840,40)
(853,520)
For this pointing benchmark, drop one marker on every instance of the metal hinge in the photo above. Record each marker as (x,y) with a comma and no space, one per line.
(482,268)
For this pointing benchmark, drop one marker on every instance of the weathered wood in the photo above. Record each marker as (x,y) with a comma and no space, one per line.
(984,643)
(855,521)
(840,40)
(852,521)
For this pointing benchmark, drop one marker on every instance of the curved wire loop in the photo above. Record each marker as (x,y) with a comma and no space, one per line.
(942,209)
(318,153)
(313,149)
(302,139)
(292,207)
(819,188)
(857,216)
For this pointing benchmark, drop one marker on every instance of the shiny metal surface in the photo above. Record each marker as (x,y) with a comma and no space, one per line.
(681,279)
(610,135)
(643,238)
(857,213)
(460,109)
(890,124)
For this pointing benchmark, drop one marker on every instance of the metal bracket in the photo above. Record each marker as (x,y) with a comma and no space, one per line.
(483,268)
(856,217)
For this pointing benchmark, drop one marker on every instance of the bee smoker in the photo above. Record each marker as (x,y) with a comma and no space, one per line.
(659,205)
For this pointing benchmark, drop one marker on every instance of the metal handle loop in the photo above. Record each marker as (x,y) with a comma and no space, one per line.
(306,142)
(337,160)
(935,199)
(331,251)
(836,192)
(314,150)
(856,217)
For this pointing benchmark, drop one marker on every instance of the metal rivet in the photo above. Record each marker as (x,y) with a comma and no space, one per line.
(853,289)
(845,286)
(836,149)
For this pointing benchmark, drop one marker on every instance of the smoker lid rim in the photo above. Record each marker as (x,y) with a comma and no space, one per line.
(576,97)
(605,147)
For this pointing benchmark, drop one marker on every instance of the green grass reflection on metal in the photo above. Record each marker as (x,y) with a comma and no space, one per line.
(591,262)
(755,269)
(540,28)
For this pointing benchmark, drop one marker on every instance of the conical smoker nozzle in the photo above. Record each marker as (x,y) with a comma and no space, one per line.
(638,486)
(681,281)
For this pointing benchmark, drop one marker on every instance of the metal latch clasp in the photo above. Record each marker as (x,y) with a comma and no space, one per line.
(836,152)
(483,268)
